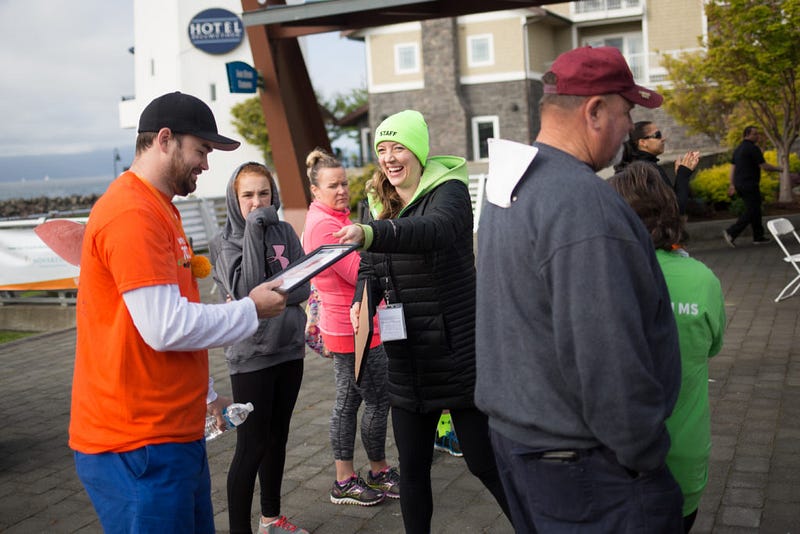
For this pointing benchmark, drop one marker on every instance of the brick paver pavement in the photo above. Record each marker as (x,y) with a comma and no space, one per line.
(754,482)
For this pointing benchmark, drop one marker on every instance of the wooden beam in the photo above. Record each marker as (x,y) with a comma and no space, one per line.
(291,112)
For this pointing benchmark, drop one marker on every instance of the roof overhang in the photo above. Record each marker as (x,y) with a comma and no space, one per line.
(322,16)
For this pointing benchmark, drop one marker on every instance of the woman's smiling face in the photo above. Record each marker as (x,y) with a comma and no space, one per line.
(400,165)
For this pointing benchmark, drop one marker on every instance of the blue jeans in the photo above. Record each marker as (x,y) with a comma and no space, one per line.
(585,492)
(153,489)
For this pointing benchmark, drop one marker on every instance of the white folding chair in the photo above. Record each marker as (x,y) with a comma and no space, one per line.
(780,228)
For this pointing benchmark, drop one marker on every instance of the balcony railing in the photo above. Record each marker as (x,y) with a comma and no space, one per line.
(593,6)
(601,9)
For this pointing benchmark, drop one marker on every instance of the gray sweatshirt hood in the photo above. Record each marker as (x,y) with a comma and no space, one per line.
(234,225)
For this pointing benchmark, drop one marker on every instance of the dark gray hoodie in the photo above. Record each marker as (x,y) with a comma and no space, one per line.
(245,253)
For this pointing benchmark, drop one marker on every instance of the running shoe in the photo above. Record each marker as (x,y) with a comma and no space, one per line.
(449,444)
(355,491)
(729,238)
(386,481)
(280,526)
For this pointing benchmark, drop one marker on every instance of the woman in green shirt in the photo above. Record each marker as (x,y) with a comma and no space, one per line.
(699,309)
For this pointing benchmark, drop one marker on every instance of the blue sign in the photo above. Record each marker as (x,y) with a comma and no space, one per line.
(242,78)
(216,31)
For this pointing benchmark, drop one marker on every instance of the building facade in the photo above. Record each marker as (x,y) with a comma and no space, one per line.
(479,76)
(183,45)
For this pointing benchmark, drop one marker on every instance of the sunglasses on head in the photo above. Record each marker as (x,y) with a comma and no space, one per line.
(656,135)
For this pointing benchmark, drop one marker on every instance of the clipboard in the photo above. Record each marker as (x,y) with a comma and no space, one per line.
(310,265)
(364,336)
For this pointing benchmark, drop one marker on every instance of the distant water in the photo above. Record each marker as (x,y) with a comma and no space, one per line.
(54,187)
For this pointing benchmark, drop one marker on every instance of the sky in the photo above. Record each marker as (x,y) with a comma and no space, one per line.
(66,66)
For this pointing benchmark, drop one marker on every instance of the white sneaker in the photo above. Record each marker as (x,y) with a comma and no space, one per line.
(729,238)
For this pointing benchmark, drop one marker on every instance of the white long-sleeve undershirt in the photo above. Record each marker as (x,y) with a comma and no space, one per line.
(167,321)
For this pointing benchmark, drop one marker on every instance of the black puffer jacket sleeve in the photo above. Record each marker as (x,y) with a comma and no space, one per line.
(447,212)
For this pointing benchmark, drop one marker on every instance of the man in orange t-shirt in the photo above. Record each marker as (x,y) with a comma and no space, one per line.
(141,365)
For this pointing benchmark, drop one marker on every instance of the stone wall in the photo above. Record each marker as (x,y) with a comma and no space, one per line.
(509,102)
(33,207)
(441,100)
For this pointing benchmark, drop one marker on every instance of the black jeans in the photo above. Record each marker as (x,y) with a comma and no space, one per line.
(414,434)
(752,214)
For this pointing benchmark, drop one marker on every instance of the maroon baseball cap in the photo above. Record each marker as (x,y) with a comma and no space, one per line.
(588,71)
(184,114)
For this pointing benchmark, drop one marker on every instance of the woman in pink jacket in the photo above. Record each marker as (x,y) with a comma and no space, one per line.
(328,213)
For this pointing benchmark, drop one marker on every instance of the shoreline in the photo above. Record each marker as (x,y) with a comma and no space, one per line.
(27,208)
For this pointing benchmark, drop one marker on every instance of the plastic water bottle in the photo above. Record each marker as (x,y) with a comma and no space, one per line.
(234,415)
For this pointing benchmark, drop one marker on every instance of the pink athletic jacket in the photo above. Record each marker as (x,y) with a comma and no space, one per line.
(336,285)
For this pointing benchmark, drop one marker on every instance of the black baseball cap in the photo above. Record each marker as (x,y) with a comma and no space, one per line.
(184,114)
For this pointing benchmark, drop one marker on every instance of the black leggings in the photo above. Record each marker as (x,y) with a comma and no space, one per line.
(261,440)
(414,434)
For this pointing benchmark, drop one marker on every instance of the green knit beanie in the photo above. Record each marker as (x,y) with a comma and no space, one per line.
(407,128)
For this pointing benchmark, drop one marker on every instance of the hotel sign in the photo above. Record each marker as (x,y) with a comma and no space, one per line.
(216,31)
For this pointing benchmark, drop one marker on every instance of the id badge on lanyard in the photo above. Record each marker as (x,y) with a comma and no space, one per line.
(392,322)
(391,319)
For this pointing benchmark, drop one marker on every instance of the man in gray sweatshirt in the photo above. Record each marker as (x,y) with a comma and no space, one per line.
(578,363)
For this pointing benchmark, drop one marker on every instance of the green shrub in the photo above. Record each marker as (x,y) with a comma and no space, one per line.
(711,184)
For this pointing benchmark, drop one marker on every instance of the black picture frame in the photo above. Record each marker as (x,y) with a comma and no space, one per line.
(310,265)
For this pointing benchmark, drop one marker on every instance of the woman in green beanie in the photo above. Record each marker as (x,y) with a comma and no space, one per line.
(418,258)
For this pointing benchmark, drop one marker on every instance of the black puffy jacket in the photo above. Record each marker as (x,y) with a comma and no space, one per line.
(424,259)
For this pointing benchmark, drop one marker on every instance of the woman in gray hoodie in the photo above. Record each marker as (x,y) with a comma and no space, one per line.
(266,369)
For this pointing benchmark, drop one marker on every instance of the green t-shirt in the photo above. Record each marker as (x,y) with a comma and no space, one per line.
(699,309)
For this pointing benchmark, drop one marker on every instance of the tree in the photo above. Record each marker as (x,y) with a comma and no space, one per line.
(695,100)
(248,119)
(340,105)
(750,65)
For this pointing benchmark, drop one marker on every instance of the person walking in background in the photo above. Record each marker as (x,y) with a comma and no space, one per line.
(745,178)
(645,143)
(266,369)
(328,213)
(419,259)
(141,369)
(699,309)
(578,363)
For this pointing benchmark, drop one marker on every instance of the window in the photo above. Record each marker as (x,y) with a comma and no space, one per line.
(631,46)
(480,50)
(213,92)
(367,153)
(406,58)
(483,128)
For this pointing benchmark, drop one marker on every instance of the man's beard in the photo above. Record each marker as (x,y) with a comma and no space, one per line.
(181,176)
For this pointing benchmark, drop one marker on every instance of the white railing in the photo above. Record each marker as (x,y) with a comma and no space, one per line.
(202,218)
(477,192)
(606,8)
